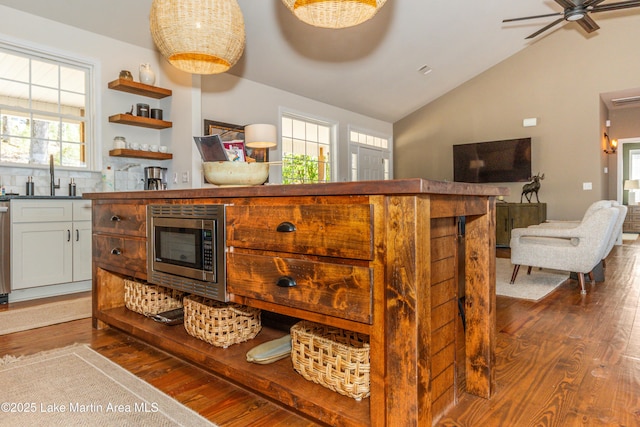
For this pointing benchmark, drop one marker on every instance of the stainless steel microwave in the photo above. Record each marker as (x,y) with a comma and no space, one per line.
(186,248)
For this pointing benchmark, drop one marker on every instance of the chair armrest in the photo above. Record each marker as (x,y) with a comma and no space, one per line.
(562,233)
(557,224)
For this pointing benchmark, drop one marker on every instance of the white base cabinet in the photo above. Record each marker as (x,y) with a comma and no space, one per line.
(50,242)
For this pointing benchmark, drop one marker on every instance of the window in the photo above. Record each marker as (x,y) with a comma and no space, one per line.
(43,108)
(370,156)
(306,150)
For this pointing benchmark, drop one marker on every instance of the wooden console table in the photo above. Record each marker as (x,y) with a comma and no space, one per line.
(381,258)
(517,215)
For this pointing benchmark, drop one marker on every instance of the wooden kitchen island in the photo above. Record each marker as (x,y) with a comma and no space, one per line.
(377,257)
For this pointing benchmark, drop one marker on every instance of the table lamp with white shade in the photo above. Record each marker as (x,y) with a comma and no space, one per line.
(632,185)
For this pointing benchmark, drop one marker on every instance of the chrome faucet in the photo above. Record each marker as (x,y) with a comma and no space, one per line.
(51,172)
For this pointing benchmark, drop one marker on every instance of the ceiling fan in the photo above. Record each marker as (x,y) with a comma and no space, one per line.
(577,11)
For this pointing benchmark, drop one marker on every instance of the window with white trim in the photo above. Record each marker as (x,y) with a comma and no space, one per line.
(44,108)
(306,150)
(378,145)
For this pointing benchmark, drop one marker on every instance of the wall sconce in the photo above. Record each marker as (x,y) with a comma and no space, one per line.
(612,144)
(260,136)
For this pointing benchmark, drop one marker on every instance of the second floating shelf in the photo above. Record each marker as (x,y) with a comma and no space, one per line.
(145,122)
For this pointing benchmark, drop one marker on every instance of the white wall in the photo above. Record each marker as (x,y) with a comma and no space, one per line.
(230,99)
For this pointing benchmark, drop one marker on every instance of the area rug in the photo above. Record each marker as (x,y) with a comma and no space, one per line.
(534,286)
(75,386)
(37,316)
(629,236)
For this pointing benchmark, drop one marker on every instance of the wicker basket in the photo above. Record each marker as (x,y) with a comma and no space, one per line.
(332,357)
(149,299)
(218,323)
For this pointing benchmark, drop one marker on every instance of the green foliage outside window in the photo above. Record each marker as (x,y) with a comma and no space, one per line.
(303,169)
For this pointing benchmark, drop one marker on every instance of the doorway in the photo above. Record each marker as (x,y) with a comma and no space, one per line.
(628,156)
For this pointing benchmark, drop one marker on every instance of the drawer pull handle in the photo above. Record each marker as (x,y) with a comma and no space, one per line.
(116,251)
(286,282)
(286,227)
(115,218)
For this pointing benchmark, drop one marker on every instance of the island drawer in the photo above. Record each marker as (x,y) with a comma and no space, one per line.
(130,254)
(339,290)
(342,231)
(120,218)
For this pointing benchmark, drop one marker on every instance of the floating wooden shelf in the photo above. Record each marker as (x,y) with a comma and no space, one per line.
(145,122)
(139,89)
(140,154)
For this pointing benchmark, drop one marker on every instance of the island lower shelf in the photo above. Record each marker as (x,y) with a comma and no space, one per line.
(277,381)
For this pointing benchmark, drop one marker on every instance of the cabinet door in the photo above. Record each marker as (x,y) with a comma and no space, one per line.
(41,254)
(81,250)
(524,215)
(503,225)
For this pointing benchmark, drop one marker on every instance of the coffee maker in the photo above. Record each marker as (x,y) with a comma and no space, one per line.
(155,178)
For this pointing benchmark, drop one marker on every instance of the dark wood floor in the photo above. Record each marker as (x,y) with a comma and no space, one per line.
(568,360)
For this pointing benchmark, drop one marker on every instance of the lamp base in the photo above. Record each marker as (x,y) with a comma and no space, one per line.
(631,200)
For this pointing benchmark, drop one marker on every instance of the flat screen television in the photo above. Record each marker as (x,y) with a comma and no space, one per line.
(493,161)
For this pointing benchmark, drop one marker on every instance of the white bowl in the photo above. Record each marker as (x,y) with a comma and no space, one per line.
(236,173)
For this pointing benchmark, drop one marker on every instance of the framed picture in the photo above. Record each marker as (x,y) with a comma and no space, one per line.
(230,133)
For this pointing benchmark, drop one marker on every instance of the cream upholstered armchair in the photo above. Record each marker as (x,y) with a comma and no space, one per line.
(616,234)
(569,224)
(576,249)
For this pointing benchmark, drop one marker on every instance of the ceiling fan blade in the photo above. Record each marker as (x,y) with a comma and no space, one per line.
(592,3)
(540,31)
(533,17)
(566,4)
(588,24)
(616,6)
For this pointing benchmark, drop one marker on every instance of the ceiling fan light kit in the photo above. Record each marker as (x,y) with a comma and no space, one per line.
(198,36)
(334,13)
(578,11)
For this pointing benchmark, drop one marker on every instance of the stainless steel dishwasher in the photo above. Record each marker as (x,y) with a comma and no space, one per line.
(5,252)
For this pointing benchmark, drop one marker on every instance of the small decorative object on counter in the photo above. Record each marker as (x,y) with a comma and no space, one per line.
(147,76)
(72,187)
(142,110)
(3,192)
(126,75)
(30,186)
(108,179)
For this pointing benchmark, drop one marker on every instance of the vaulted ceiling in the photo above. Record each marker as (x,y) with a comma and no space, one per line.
(371,69)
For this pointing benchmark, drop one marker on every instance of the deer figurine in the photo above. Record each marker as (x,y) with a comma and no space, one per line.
(532,187)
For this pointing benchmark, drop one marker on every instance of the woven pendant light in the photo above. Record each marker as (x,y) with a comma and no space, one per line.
(334,13)
(198,36)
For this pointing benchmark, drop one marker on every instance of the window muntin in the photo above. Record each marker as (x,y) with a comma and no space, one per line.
(43,109)
(306,150)
(365,139)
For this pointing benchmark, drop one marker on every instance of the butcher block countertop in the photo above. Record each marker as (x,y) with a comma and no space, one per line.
(399,186)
